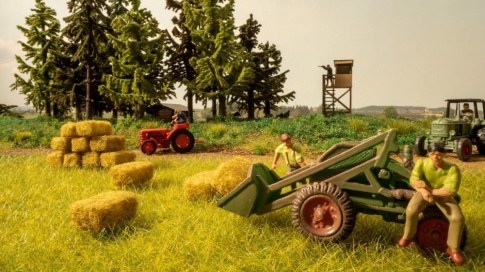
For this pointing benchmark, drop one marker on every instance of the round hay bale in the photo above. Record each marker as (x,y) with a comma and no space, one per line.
(229,174)
(104,211)
(131,173)
(199,186)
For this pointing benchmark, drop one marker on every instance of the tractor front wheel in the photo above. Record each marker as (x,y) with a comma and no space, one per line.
(182,141)
(148,147)
(432,232)
(464,149)
(419,147)
(323,212)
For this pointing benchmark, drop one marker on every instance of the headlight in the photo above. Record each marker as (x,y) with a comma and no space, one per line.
(452,132)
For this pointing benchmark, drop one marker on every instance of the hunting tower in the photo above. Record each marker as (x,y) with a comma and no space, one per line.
(337,88)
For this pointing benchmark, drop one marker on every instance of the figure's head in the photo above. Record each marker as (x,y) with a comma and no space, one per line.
(466,106)
(436,152)
(177,111)
(285,138)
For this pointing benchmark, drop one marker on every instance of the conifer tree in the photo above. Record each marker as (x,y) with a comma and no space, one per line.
(138,76)
(222,66)
(87,27)
(41,32)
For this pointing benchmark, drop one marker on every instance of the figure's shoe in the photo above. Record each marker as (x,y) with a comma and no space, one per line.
(405,242)
(455,256)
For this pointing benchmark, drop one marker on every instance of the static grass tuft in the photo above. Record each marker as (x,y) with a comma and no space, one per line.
(108,143)
(55,159)
(199,186)
(229,174)
(131,173)
(110,159)
(94,128)
(62,144)
(104,211)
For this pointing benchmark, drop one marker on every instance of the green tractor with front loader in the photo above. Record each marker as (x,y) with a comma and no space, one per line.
(349,178)
(461,127)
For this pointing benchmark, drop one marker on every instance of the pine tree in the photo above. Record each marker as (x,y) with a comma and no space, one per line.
(180,52)
(41,32)
(137,76)
(87,27)
(222,66)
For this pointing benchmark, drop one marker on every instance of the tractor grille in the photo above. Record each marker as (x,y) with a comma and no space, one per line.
(355,159)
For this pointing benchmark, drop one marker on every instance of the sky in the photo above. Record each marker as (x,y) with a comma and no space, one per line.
(405,52)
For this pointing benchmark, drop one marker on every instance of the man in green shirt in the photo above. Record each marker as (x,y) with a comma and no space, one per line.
(436,183)
(291,154)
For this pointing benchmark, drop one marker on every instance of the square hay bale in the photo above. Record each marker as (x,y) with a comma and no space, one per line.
(110,159)
(55,159)
(80,145)
(131,173)
(62,144)
(199,186)
(230,173)
(108,143)
(94,128)
(104,211)
(91,159)
(72,160)
(69,130)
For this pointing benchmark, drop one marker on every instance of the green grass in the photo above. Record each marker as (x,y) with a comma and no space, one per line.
(171,233)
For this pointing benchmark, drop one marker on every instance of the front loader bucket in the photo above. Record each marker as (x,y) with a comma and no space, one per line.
(251,195)
(241,200)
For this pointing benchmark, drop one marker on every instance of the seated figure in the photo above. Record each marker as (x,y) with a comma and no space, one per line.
(466,113)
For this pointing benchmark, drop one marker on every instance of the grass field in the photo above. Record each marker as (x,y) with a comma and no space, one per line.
(171,233)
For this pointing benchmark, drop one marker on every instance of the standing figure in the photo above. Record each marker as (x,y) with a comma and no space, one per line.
(291,153)
(436,182)
(329,81)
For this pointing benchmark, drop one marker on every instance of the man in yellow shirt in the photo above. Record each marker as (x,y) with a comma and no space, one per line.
(436,183)
(291,154)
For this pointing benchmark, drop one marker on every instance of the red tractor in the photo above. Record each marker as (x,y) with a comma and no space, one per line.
(181,140)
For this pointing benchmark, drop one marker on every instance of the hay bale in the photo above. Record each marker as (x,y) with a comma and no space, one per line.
(110,159)
(108,143)
(62,144)
(55,159)
(131,173)
(80,145)
(199,186)
(94,128)
(72,160)
(69,130)
(104,211)
(91,159)
(229,174)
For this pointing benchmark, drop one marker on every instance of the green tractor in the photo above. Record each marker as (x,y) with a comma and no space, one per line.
(462,126)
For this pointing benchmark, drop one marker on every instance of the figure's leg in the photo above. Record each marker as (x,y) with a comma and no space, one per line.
(452,211)
(415,206)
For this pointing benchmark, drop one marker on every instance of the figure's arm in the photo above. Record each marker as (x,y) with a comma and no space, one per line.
(275,160)
(442,192)
(420,185)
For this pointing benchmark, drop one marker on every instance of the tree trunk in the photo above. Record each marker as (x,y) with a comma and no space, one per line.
(88,89)
(267,108)
(139,111)
(250,104)
(214,107)
(47,108)
(114,114)
(190,105)
(222,105)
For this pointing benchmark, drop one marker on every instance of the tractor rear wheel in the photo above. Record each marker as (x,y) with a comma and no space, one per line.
(481,147)
(419,147)
(323,212)
(432,232)
(464,149)
(148,147)
(182,141)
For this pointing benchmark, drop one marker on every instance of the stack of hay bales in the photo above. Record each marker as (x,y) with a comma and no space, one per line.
(104,211)
(206,185)
(89,144)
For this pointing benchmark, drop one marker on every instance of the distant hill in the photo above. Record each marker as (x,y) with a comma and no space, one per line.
(401,110)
